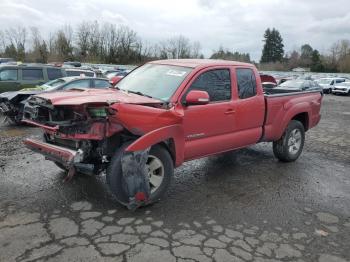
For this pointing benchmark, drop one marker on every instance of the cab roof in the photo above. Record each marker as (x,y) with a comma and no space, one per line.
(195,63)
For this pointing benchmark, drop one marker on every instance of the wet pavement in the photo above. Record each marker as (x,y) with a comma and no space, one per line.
(238,206)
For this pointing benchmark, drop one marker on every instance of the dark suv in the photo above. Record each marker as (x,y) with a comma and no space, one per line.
(16,77)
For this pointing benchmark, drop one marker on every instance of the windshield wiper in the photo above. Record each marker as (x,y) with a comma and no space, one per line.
(139,93)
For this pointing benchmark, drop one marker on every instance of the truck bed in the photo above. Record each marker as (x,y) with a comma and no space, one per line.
(281,107)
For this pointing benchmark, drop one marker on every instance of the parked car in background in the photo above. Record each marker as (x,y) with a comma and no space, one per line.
(328,83)
(72,64)
(17,77)
(118,76)
(7,60)
(12,103)
(268,85)
(341,88)
(297,85)
(122,73)
(80,72)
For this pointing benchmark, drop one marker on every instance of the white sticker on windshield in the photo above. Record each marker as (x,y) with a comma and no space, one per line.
(176,73)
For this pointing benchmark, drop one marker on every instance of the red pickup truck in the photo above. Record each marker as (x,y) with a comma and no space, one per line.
(163,114)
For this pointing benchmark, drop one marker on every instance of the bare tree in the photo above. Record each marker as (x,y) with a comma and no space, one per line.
(16,37)
(2,42)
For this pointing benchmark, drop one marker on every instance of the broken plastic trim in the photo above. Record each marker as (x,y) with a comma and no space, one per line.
(135,178)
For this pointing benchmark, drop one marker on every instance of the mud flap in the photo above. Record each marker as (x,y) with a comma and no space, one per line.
(135,178)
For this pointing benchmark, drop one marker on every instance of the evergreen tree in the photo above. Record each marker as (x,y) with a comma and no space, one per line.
(316,65)
(306,55)
(273,47)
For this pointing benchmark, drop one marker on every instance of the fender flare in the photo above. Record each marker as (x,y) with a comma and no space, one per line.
(156,136)
(291,113)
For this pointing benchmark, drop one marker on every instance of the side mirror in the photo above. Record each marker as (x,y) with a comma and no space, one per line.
(196,97)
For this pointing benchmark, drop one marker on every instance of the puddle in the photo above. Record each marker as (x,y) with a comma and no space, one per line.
(12,133)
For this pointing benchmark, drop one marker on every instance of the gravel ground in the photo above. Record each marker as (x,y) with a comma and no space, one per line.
(238,206)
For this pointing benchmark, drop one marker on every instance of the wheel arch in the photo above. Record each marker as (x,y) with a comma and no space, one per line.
(303,118)
(170,137)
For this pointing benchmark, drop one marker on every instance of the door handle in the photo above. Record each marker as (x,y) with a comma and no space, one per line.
(230,112)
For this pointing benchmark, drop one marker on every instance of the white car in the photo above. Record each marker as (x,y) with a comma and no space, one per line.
(342,88)
(328,83)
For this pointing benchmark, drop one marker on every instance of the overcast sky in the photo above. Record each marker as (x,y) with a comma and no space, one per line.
(236,24)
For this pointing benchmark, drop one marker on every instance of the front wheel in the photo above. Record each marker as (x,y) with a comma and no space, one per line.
(289,147)
(160,169)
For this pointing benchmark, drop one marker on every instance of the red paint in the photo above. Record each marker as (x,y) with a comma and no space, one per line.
(115,79)
(140,196)
(198,130)
(96,96)
(267,78)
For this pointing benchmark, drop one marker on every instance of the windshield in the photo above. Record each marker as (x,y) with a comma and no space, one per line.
(324,81)
(293,84)
(344,84)
(53,84)
(157,81)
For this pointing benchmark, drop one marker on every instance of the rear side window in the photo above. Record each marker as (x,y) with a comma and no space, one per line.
(246,82)
(9,75)
(102,84)
(79,73)
(217,83)
(32,74)
(54,73)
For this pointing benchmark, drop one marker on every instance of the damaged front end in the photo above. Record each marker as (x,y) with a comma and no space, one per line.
(84,138)
(84,129)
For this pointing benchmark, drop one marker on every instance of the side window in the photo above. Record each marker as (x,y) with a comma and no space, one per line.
(102,84)
(246,82)
(9,75)
(216,82)
(32,74)
(84,83)
(54,73)
(90,74)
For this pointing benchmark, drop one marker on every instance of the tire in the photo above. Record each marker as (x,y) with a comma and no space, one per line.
(114,174)
(289,147)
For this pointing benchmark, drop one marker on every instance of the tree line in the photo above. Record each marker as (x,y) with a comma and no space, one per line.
(91,42)
(108,43)
(275,58)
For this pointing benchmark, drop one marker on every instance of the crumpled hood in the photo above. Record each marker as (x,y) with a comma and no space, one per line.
(12,94)
(87,96)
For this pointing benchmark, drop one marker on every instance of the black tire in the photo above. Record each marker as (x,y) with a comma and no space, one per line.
(281,149)
(114,174)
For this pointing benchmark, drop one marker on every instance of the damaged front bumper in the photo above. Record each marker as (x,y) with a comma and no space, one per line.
(67,157)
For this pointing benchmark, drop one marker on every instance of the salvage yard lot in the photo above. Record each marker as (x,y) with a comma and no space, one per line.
(238,206)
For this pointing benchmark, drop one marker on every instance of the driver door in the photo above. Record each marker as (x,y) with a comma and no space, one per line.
(207,128)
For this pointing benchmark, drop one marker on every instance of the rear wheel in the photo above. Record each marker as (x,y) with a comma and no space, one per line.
(160,170)
(289,147)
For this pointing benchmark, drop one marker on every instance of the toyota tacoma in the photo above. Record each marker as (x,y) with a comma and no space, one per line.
(165,113)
